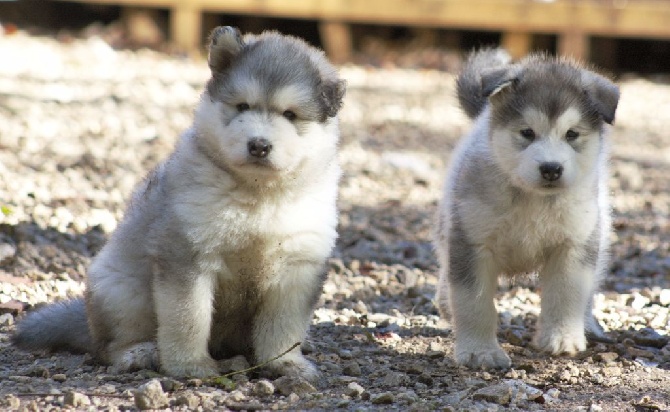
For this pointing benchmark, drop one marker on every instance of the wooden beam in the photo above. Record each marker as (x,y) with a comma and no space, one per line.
(574,44)
(517,43)
(336,39)
(186,27)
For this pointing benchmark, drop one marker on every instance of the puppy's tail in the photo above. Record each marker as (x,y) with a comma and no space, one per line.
(469,82)
(60,326)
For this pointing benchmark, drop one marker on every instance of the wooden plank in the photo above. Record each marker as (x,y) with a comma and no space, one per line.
(186,27)
(574,44)
(517,43)
(336,39)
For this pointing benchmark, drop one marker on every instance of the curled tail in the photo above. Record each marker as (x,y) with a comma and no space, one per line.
(471,94)
(55,327)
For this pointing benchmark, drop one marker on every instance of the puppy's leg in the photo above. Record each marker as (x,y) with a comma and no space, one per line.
(184,315)
(567,286)
(120,315)
(472,286)
(283,319)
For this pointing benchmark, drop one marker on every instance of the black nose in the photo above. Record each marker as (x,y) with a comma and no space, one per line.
(551,171)
(259,147)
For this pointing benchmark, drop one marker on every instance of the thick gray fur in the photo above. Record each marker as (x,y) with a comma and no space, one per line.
(59,326)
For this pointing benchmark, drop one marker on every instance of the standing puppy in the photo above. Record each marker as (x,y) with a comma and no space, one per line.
(526,192)
(223,246)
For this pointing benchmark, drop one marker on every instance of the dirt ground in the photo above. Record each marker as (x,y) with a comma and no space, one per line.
(81,123)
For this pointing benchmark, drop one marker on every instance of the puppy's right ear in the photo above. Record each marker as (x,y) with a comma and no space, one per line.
(225,43)
(496,80)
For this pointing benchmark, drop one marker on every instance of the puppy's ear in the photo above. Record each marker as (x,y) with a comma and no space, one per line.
(332,93)
(498,79)
(225,43)
(602,93)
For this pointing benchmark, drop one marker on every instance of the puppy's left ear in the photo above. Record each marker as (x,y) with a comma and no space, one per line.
(493,81)
(225,43)
(332,93)
(602,93)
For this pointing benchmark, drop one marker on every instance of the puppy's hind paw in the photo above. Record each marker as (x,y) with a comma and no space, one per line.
(193,368)
(483,358)
(296,366)
(559,342)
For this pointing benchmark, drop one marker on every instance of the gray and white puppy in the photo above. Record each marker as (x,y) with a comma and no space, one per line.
(223,246)
(526,192)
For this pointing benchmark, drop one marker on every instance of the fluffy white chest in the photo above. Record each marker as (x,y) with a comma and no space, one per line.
(521,234)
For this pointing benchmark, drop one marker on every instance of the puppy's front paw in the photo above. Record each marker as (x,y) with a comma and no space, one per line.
(484,357)
(557,341)
(194,368)
(296,366)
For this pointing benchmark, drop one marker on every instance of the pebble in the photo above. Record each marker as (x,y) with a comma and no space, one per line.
(606,357)
(287,385)
(649,337)
(151,396)
(500,394)
(188,399)
(263,388)
(352,368)
(233,364)
(76,399)
(355,390)
(385,398)
(664,297)
(59,377)
(394,379)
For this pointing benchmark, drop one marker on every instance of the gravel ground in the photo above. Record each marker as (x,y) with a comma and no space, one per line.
(80,123)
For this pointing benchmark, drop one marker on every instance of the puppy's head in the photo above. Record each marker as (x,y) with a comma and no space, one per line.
(270,106)
(547,119)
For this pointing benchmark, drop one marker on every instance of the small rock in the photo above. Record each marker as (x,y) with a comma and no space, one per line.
(293,398)
(664,297)
(6,319)
(234,364)
(394,379)
(352,369)
(7,252)
(151,396)
(515,337)
(287,385)
(263,388)
(237,396)
(500,394)
(170,385)
(554,393)
(76,399)
(643,353)
(385,398)
(11,402)
(59,377)
(649,337)
(355,390)
(606,357)
(195,382)
(611,371)
(188,399)
(595,408)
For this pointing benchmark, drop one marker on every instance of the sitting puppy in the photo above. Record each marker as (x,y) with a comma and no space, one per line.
(222,249)
(526,192)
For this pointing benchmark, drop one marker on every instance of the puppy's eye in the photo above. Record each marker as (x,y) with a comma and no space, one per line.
(242,107)
(289,115)
(571,135)
(528,134)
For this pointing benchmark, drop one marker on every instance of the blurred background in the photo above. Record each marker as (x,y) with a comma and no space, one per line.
(617,35)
